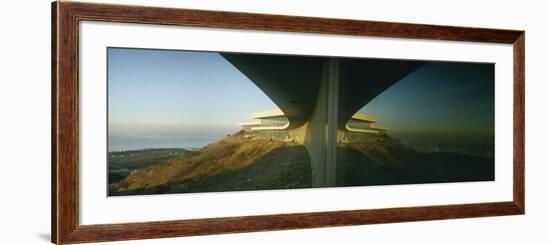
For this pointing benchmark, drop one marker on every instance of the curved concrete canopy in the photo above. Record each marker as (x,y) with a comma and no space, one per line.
(361,80)
(319,95)
(292,82)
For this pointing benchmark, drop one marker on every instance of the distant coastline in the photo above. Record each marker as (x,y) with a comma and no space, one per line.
(117,143)
(246,161)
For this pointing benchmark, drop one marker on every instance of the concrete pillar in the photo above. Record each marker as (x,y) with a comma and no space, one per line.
(320,138)
(332,120)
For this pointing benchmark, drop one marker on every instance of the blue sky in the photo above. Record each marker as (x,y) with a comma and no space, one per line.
(159,93)
(156,93)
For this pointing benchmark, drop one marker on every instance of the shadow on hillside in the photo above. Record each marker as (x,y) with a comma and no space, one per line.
(381,162)
(354,168)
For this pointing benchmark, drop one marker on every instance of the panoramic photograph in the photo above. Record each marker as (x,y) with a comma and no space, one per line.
(196,121)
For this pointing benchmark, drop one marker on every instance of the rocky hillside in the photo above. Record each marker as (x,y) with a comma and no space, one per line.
(229,154)
(248,162)
(382,160)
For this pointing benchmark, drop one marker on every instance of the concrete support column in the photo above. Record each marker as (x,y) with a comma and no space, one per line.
(320,139)
(333,80)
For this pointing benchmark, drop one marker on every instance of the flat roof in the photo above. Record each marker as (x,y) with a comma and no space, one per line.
(268,113)
(279,113)
(365,117)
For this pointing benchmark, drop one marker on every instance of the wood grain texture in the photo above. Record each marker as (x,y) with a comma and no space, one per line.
(65,111)
(65,136)
(234,20)
(149,230)
(519,122)
(54,122)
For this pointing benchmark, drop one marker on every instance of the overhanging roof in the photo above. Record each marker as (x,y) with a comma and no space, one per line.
(365,117)
(268,113)
(292,82)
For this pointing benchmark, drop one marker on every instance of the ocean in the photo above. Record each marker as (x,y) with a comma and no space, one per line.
(125,143)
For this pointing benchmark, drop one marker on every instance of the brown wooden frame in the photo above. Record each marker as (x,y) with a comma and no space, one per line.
(65,121)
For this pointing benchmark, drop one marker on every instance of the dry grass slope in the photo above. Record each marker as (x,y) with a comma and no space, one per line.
(239,162)
(231,153)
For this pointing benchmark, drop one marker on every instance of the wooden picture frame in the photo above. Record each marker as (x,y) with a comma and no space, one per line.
(65,121)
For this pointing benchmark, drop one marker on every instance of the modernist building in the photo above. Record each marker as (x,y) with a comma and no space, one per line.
(319,96)
(274,124)
(270,124)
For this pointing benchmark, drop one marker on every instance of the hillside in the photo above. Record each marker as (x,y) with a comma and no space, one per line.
(121,163)
(231,153)
(253,163)
(383,160)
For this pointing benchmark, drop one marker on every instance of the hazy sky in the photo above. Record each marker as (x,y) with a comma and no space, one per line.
(154,92)
(159,93)
(440,98)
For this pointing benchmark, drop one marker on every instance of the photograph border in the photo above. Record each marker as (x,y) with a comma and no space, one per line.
(65,121)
